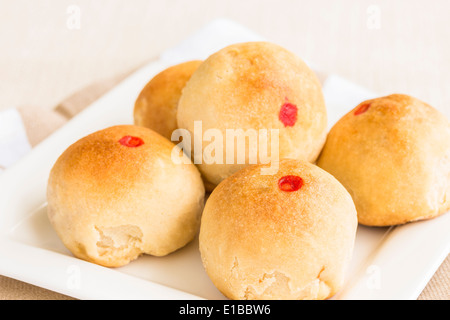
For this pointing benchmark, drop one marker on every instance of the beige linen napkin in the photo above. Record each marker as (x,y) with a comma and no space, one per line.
(40,123)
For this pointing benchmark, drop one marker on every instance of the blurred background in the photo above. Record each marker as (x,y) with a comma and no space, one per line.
(52,48)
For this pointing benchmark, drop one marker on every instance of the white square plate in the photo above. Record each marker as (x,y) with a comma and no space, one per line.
(388,263)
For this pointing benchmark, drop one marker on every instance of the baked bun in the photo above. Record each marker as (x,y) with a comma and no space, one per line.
(156,105)
(254,85)
(283,236)
(393,156)
(116,194)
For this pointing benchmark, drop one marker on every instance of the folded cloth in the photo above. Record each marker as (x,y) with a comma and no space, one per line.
(40,122)
(14,142)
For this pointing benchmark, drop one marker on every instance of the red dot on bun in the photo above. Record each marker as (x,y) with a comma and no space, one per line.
(288,114)
(131,142)
(362,108)
(290,183)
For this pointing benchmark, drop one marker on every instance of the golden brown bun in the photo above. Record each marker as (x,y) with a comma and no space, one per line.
(156,105)
(259,242)
(245,86)
(109,203)
(393,155)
